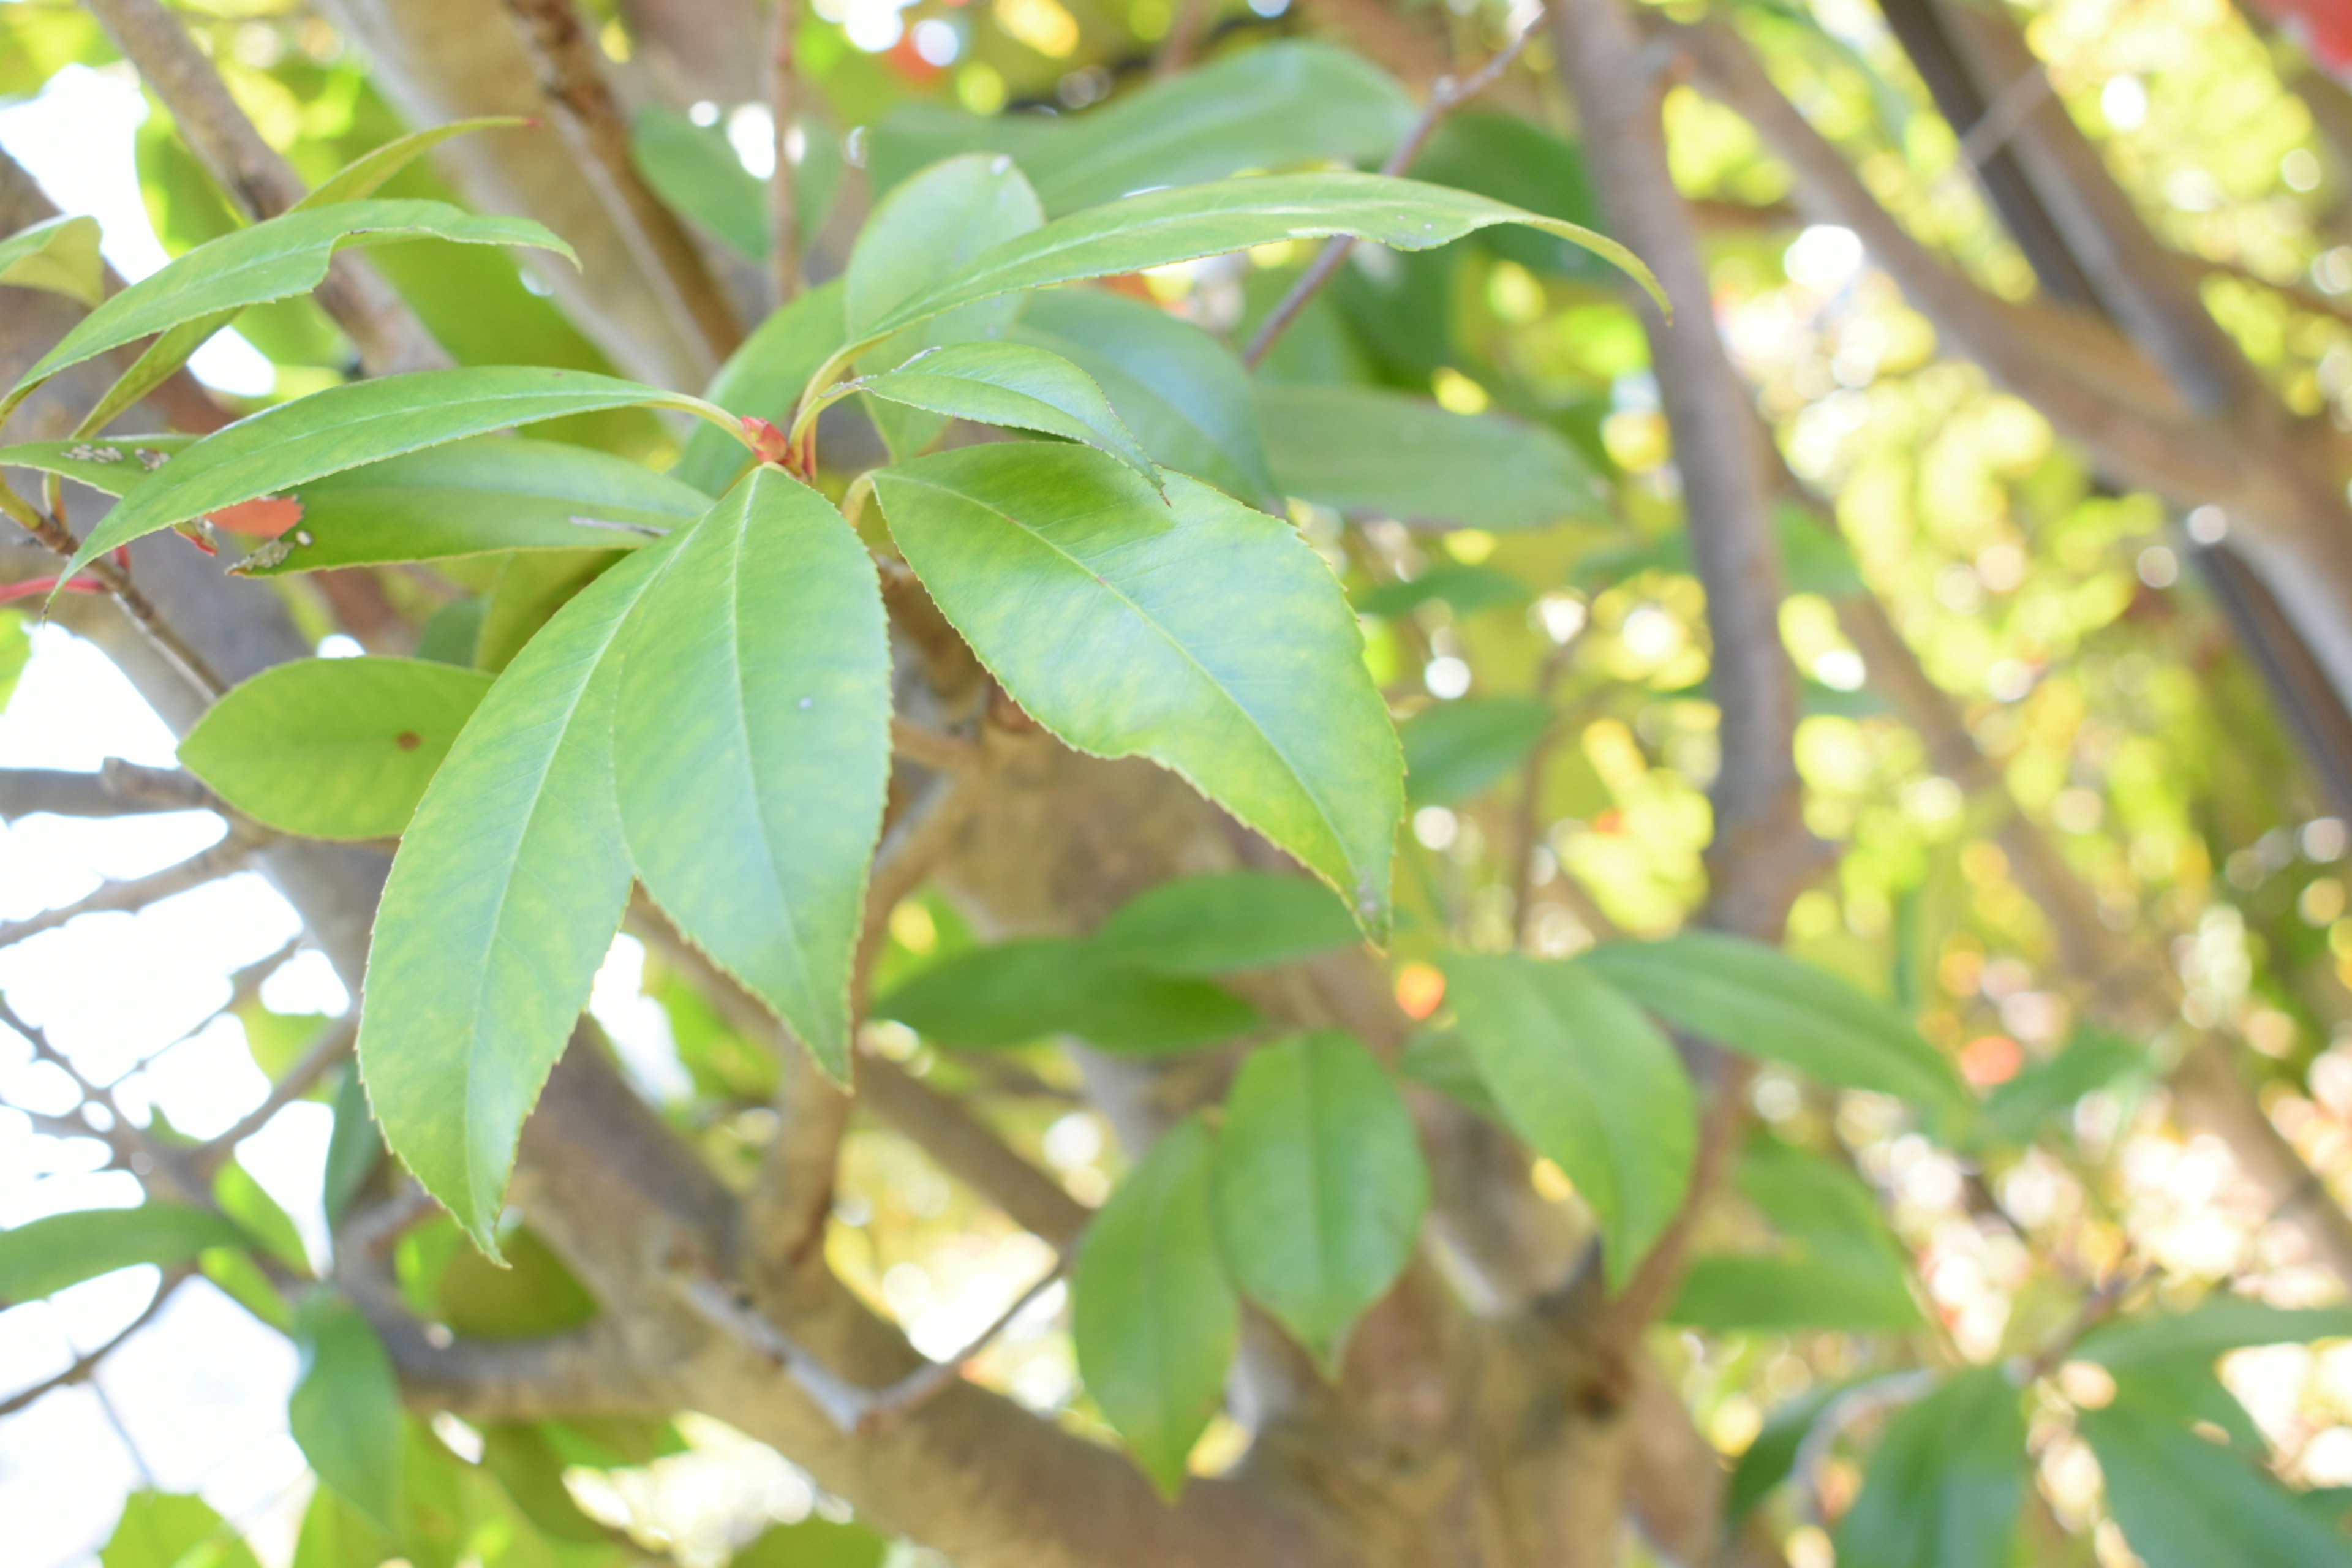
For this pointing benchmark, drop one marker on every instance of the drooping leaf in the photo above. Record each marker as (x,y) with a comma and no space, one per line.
(1465,589)
(2184,1502)
(1227,921)
(361,422)
(353,1148)
(42,1256)
(114,467)
(1012,385)
(368,173)
(991,997)
(751,737)
(922,232)
(1184,394)
(333,748)
(1195,631)
(1154,1319)
(1944,1485)
(1286,103)
(1513,160)
(267,1224)
(1319,1185)
(1759,1001)
(477,498)
(502,901)
(762,378)
(1160,228)
(1455,750)
(59,256)
(2215,1326)
(1369,452)
(345,1409)
(1589,1082)
(273,260)
(166,1529)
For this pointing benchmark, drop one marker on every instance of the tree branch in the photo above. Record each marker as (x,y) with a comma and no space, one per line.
(85,1366)
(784,236)
(225,858)
(969,1150)
(333,1044)
(118,788)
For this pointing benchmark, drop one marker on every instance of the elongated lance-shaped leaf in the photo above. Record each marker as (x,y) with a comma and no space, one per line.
(274,260)
(1195,631)
(1582,1074)
(114,466)
(345,1408)
(1188,222)
(364,422)
(367,173)
(155,366)
(1154,1320)
(502,901)
(44,1256)
(751,744)
(2185,1502)
(1943,1489)
(60,256)
(1017,385)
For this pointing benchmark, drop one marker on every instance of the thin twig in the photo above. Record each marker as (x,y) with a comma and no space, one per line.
(783,185)
(117,582)
(135,1149)
(573,79)
(85,1366)
(118,788)
(333,1044)
(1446,96)
(926,1383)
(934,749)
(223,858)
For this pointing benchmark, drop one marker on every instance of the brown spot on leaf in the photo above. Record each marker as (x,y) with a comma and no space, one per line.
(410,740)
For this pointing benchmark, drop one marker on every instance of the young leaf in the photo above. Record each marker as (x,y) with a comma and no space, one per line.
(2184,1502)
(274,260)
(1196,631)
(1184,394)
(501,904)
(1319,1185)
(1369,452)
(921,232)
(1019,991)
(1759,1001)
(164,1529)
(42,1256)
(1155,1320)
(362,422)
(1160,228)
(752,740)
(345,1409)
(480,497)
(1589,1082)
(367,173)
(60,256)
(333,748)
(1457,749)
(762,378)
(1943,1489)
(1228,921)
(1013,385)
(113,468)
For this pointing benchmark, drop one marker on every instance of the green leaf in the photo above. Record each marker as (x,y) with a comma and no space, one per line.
(1160,228)
(362,422)
(1319,1185)
(1369,452)
(1285,103)
(1759,1001)
(1016,992)
(1839,1267)
(1441,1060)
(163,1530)
(1155,1320)
(257,1215)
(1465,589)
(1184,394)
(1770,1460)
(501,904)
(2093,1059)
(532,1295)
(1943,1489)
(345,1409)
(531,1471)
(274,260)
(480,497)
(813,1542)
(2215,1326)
(763,378)
(695,169)
(924,231)
(336,1535)
(42,1256)
(248,1284)
(751,738)
(1589,1082)
(367,173)
(1227,921)
(530,589)
(353,1148)
(333,748)
(2185,1503)
(1012,385)
(1196,631)
(1455,750)
(1511,159)
(60,256)
(113,468)
(16,653)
